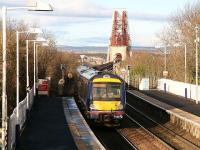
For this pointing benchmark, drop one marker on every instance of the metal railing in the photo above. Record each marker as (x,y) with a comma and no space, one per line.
(12,122)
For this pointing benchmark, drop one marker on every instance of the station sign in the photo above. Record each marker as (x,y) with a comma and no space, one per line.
(43,87)
(69,75)
(61,82)
(165,73)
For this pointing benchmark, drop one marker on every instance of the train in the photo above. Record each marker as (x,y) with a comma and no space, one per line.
(102,95)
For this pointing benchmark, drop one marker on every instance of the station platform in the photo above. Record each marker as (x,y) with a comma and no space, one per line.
(182,111)
(182,103)
(57,124)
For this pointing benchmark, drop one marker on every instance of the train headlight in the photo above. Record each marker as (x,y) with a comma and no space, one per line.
(120,106)
(92,106)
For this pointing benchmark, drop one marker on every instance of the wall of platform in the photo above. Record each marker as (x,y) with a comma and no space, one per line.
(179,88)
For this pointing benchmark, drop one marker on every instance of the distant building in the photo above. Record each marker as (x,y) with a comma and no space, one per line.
(120,42)
(94,60)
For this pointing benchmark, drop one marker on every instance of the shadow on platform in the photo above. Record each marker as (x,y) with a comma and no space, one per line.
(47,128)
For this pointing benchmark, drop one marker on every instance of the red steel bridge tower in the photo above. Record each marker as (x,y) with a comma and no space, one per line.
(120,42)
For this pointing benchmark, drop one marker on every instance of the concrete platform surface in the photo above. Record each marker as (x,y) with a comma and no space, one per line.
(57,124)
(177,101)
(47,129)
(81,132)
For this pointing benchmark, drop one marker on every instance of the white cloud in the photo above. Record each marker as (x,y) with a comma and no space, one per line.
(81,8)
(13,3)
(86,23)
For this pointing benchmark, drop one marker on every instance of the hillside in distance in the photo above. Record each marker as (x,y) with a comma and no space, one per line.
(96,49)
(83,49)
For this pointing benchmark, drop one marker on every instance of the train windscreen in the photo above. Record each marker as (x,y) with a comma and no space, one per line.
(106,91)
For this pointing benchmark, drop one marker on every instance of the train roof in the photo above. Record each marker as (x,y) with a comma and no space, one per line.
(87,72)
(90,73)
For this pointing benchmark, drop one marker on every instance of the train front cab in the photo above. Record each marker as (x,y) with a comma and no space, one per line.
(107,99)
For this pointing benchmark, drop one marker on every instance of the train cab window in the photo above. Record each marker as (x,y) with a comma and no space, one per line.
(113,90)
(99,91)
(106,91)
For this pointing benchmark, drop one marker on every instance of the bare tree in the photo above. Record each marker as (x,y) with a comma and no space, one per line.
(181,29)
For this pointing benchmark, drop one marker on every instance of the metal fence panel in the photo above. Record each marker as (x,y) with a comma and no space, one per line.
(22,118)
(22,112)
(11,130)
(31,98)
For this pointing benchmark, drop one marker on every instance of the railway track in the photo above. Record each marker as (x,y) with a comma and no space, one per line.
(166,134)
(130,135)
(137,131)
(141,138)
(111,139)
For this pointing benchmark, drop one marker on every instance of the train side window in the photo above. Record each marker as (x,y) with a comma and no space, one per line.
(85,91)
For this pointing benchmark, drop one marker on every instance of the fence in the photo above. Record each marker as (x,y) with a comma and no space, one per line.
(179,88)
(22,118)
(138,81)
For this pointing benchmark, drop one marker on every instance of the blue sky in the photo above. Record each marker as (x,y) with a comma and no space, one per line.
(89,22)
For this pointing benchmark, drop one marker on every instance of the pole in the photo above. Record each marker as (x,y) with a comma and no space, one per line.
(165,68)
(17,72)
(62,69)
(4,95)
(165,58)
(34,68)
(185,63)
(36,53)
(27,74)
(185,70)
(128,78)
(197,38)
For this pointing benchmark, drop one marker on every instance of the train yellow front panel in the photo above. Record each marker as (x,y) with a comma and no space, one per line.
(106,80)
(106,105)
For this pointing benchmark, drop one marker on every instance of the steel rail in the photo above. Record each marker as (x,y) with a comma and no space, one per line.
(170,147)
(127,140)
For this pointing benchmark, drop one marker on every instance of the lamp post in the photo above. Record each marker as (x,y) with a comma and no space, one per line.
(128,75)
(181,44)
(185,51)
(196,55)
(37,6)
(30,31)
(165,60)
(165,72)
(35,57)
(196,28)
(185,47)
(164,46)
(184,44)
(27,73)
(82,58)
(4,95)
